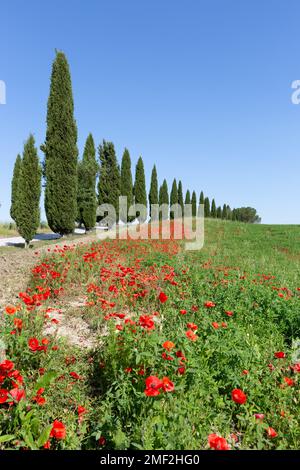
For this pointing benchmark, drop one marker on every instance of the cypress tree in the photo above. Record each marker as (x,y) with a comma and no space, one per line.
(173,199)
(29,192)
(14,187)
(86,197)
(201,199)
(213,209)
(140,195)
(110,180)
(206,207)
(60,148)
(194,204)
(219,212)
(224,212)
(180,196)
(163,198)
(229,212)
(187,197)
(126,184)
(153,193)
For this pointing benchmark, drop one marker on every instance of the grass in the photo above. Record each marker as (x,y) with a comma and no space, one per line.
(192,350)
(9,229)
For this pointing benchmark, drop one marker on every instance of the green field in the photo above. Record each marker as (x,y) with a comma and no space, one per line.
(161,348)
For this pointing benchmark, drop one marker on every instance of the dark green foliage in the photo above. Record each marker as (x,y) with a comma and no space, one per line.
(86,196)
(229,212)
(201,199)
(14,187)
(60,148)
(224,212)
(126,184)
(109,183)
(163,199)
(187,197)
(194,204)
(153,193)
(140,195)
(219,212)
(27,210)
(173,200)
(246,214)
(213,212)
(180,196)
(206,207)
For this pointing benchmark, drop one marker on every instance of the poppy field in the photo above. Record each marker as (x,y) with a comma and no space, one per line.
(188,350)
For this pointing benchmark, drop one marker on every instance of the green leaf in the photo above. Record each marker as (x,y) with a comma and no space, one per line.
(45,434)
(6,437)
(45,380)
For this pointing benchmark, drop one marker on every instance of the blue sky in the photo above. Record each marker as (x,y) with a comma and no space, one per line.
(202,88)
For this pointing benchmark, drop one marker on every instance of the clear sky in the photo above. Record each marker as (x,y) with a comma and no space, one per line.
(202,88)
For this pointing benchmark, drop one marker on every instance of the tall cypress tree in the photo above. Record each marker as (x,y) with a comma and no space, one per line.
(60,150)
(224,212)
(163,199)
(187,197)
(153,193)
(29,192)
(86,196)
(213,212)
(206,207)
(140,195)
(180,196)
(126,184)
(110,180)
(173,199)
(229,212)
(201,199)
(219,212)
(14,187)
(194,204)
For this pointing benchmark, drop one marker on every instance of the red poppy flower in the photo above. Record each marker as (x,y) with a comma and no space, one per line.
(296,367)
(146,321)
(162,297)
(191,335)
(75,375)
(6,366)
(259,416)
(228,313)
(58,430)
(153,384)
(279,355)
(81,410)
(168,345)
(238,396)
(271,433)
(209,304)
(218,443)
(192,326)
(3,395)
(17,394)
(245,372)
(215,325)
(289,381)
(18,323)
(183,312)
(168,385)
(102,441)
(10,310)
(33,344)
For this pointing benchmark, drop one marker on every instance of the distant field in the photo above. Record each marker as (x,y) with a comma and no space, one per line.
(8,229)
